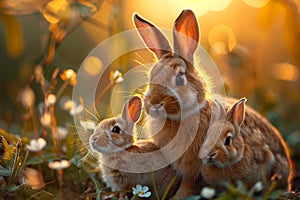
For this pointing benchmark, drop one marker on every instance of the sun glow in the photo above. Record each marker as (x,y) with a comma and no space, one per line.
(222,39)
(256,3)
(286,72)
(201,7)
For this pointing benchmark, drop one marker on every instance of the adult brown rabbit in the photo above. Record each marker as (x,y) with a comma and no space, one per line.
(230,152)
(179,103)
(124,162)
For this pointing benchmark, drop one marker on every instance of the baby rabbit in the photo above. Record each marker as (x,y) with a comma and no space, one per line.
(179,103)
(230,153)
(124,163)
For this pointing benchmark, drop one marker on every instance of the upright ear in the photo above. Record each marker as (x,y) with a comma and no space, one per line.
(152,36)
(220,112)
(132,110)
(186,34)
(236,114)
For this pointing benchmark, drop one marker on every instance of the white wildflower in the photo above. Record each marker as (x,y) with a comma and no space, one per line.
(116,76)
(208,193)
(27,97)
(46,119)
(76,110)
(141,191)
(61,133)
(50,100)
(258,186)
(66,103)
(119,80)
(36,144)
(59,164)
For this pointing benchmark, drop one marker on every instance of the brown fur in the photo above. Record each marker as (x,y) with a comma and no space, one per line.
(114,149)
(189,163)
(175,105)
(256,141)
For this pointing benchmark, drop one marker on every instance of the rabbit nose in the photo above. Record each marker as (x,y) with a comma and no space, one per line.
(157,106)
(212,155)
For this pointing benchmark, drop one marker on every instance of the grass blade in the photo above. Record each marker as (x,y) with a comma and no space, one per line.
(98,187)
(169,187)
(154,186)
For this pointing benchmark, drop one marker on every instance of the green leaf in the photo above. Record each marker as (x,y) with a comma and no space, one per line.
(76,160)
(226,196)
(35,160)
(13,188)
(4,171)
(98,187)
(241,187)
(49,156)
(275,194)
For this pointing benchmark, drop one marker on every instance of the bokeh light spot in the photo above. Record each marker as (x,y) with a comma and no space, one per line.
(286,72)
(222,38)
(256,3)
(201,7)
(51,11)
(92,65)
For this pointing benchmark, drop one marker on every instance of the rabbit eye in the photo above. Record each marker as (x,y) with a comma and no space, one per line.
(180,79)
(228,140)
(116,129)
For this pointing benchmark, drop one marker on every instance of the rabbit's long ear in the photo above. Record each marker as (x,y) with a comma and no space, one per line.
(132,111)
(220,112)
(236,114)
(186,34)
(154,39)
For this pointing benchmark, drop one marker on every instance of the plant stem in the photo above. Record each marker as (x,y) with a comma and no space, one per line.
(35,128)
(60,178)
(61,89)
(104,91)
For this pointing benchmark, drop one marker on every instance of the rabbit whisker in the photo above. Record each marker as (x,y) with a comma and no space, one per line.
(141,57)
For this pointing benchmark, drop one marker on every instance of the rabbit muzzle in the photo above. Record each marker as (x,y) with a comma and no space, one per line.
(107,143)
(210,158)
(157,111)
(98,142)
(161,103)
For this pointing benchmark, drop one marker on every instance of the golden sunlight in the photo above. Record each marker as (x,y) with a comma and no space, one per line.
(201,7)
(51,11)
(286,72)
(256,3)
(92,65)
(221,38)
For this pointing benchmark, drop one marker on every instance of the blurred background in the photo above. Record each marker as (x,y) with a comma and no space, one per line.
(254,43)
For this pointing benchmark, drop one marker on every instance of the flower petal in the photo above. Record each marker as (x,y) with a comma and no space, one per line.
(76,110)
(119,80)
(207,192)
(42,142)
(134,191)
(145,188)
(147,194)
(117,73)
(138,187)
